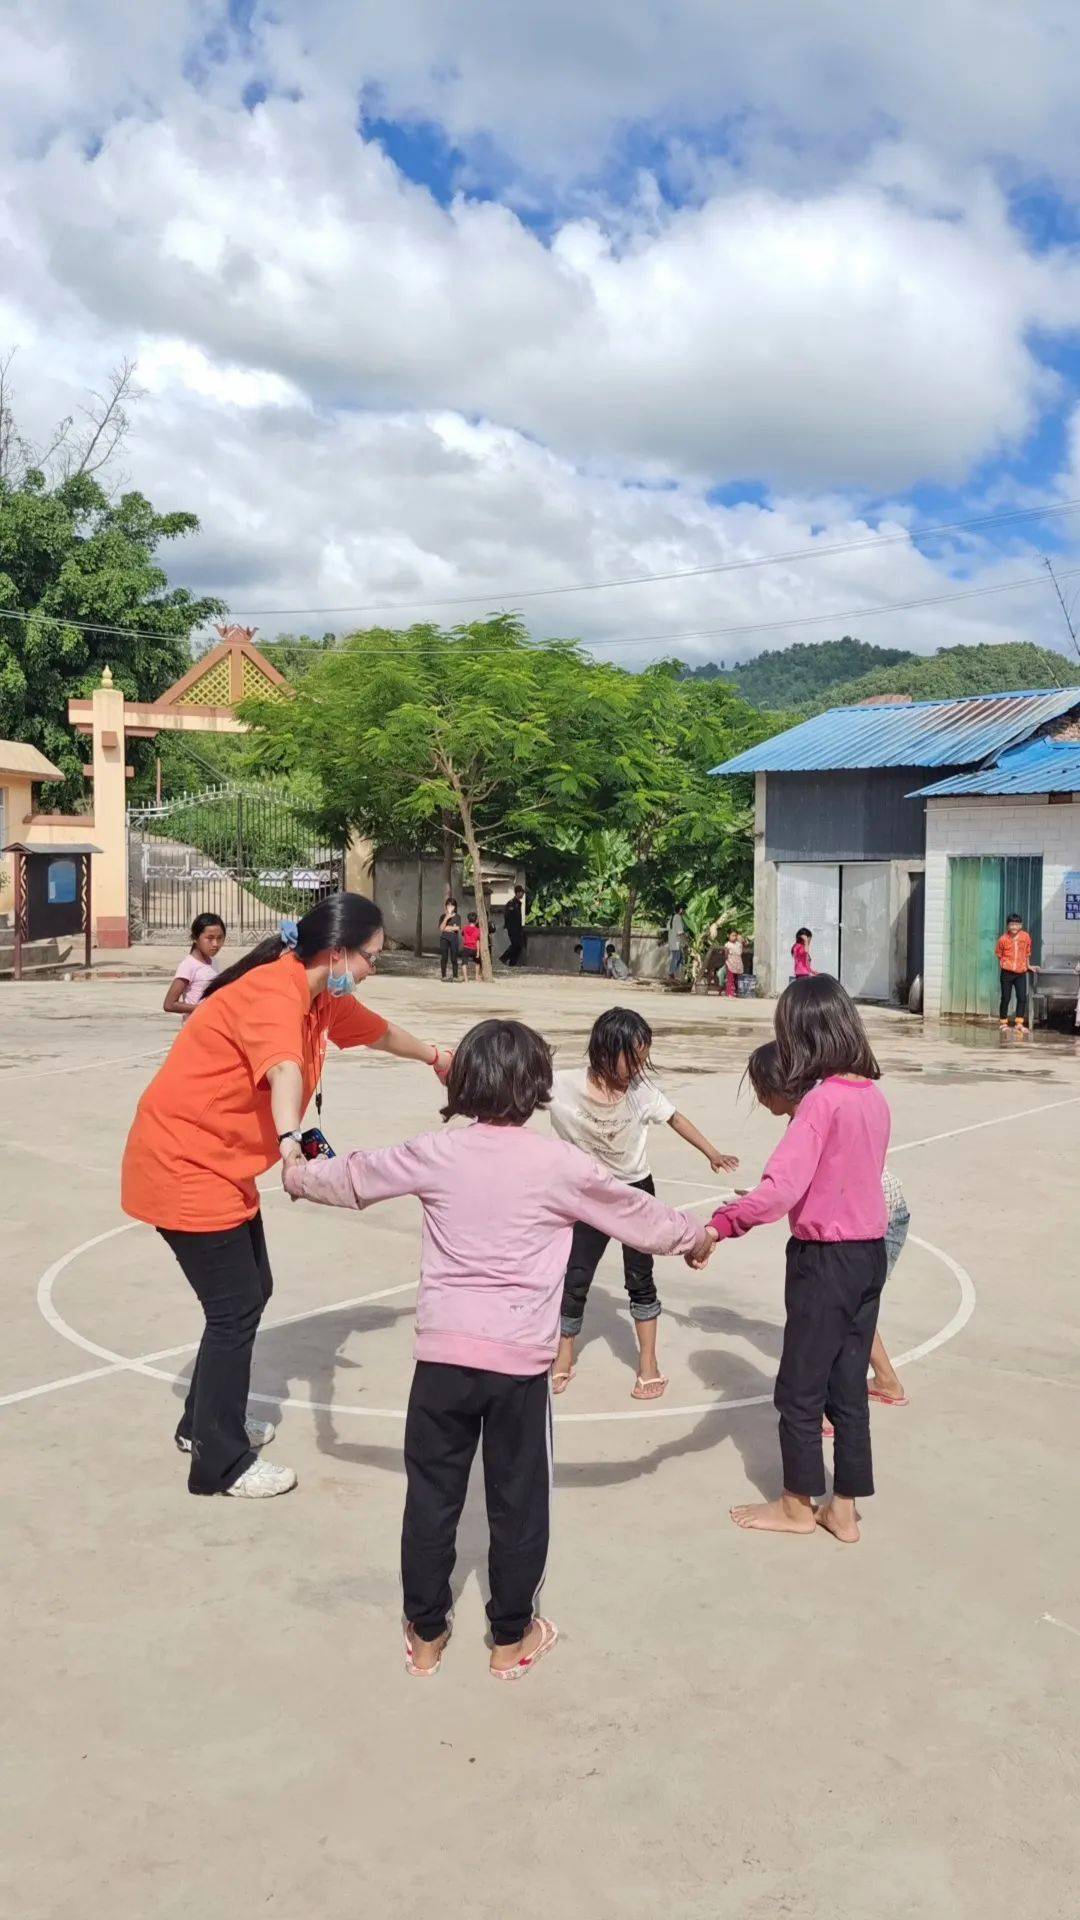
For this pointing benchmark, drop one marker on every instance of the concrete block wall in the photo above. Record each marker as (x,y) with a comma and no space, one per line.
(1028,824)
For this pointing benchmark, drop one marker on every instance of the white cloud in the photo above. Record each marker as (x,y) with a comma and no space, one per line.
(370,397)
(846,338)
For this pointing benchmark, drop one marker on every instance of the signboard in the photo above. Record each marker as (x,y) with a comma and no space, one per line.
(1072,896)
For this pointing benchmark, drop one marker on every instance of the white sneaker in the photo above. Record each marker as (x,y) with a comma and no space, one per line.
(259,1433)
(261,1481)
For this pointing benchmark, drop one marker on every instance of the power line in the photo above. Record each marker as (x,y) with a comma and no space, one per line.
(682,573)
(634,640)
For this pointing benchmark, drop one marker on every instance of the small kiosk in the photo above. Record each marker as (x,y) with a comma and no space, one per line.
(52,893)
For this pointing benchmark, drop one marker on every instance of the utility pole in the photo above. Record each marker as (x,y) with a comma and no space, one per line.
(1061,602)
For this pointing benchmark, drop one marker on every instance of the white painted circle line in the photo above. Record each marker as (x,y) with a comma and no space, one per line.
(118,1363)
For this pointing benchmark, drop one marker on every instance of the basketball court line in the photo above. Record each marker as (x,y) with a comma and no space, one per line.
(117,1363)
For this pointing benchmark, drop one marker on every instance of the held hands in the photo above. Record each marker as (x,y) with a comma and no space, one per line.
(292,1171)
(702,1253)
(442,1062)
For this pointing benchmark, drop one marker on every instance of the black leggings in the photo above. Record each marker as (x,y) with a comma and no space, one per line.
(449,947)
(586,1252)
(230,1272)
(1013,983)
(452,1410)
(831,1294)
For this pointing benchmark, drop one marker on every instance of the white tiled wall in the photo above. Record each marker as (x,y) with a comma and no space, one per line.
(966,825)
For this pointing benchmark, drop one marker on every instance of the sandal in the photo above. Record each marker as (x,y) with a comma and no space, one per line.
(659,1386)
(423,1673)
(565,1378)
(549,1633)
(887,1399)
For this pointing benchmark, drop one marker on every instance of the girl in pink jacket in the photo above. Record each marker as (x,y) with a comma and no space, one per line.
(499,1204)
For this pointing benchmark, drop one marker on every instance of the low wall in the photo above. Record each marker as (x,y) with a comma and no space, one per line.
(551,950)
(394,882)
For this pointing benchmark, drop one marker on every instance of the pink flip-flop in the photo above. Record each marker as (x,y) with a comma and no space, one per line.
(659,1387)
(549,1633)
(828,1431)
(886,1399)
(423,1673)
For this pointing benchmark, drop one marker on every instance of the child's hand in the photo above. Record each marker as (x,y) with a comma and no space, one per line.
(702,1254)
(442,1063)
(724,1162)
(292,1176)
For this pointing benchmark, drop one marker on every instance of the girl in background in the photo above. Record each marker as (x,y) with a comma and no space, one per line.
(826,1176)
(487,1324)
(470,947)
(449,937)
(195,973)
(800,955)
(733,953)
(607,1108)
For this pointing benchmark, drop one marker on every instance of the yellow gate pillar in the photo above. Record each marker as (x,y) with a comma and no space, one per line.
(110,876)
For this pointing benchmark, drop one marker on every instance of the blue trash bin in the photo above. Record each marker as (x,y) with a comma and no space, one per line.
(592,953)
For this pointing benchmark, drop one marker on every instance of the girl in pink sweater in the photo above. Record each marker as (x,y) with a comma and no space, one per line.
(826,1176)
(499,1205)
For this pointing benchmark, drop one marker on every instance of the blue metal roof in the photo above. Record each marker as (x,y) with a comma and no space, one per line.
(1042,766)
(928,733)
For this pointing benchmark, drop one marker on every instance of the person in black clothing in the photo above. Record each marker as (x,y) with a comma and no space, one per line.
(449,937)
(514,922)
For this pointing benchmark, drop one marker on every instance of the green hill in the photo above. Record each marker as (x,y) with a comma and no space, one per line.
(1008,666)
(796,675)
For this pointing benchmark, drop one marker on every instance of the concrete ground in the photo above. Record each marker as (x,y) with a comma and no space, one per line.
(206,1709)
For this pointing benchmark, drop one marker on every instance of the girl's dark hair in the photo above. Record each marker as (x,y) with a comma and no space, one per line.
(341,920)
(619,1032)
(501,1073)
(818,1033)
(805,933)
(473,920)
(204,920)
(765,1073)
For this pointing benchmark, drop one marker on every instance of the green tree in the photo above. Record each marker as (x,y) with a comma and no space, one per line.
(71,553)
(475,730)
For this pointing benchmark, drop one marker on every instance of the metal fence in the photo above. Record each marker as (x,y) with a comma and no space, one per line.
(251,855)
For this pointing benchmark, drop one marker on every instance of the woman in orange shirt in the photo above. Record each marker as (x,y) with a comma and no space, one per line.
(224,1107)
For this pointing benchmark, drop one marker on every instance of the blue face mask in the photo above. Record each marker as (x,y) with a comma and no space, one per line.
(340,984)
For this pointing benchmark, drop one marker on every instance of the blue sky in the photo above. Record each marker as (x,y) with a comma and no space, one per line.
(442,306)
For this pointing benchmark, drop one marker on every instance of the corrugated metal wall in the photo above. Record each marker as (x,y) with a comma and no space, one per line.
(845,816)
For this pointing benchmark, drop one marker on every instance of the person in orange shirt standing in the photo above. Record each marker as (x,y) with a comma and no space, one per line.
(1014,959)
(225,1106)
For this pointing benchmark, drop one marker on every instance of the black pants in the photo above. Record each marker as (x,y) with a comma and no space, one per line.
(1013,983)
(512,956)
(586,1252)
(230,1272)
(832,1293)
(451,1410)
(449,948)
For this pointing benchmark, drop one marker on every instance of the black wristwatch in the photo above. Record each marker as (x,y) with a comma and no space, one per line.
(294,1133)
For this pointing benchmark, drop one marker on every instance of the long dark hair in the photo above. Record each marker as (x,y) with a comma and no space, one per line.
(341,920)
(818,1033)
(765,1073)
(619,1033)
(501,1073)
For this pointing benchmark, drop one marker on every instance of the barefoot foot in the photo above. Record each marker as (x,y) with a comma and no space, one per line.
(842,1522)
(789,1514)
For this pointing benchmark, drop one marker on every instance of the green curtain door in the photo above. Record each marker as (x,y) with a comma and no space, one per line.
(980,894)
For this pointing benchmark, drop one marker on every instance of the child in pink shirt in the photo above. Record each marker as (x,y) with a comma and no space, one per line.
(499,1205)
(826,1176)
(800,955)
(195,973)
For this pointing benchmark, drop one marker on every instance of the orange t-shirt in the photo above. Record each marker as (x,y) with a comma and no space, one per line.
(203,1130)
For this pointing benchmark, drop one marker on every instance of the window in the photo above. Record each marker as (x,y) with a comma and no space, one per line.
(62,883)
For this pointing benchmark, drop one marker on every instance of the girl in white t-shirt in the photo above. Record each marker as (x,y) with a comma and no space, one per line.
(607,1108)
(194,974)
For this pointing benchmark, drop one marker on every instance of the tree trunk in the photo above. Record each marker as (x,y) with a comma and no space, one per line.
(418,936)
(447,860)
(628,921)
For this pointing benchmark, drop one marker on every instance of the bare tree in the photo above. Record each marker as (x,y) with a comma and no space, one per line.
(86,445)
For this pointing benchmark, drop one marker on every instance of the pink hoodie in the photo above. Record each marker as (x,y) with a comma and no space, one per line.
(499,1210)
(826,1172)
